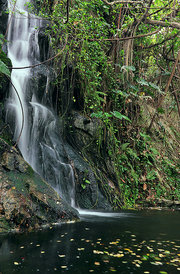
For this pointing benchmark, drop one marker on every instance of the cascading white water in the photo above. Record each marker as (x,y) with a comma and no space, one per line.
(40,143)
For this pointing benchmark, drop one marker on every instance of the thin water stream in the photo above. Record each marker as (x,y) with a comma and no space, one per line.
(126,242)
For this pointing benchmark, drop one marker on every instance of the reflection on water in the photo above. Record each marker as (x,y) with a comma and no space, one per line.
(125,242)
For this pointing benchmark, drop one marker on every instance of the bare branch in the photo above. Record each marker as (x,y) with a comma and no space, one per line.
(162,23)
(22,110)
(121,2)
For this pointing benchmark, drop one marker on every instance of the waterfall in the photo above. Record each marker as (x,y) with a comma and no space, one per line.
(40,143)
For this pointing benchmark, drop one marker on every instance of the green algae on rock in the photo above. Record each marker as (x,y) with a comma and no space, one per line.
(26,201)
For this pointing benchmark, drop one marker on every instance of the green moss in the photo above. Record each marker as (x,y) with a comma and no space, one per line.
(4,225)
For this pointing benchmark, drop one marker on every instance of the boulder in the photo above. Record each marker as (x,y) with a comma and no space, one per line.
(26,201)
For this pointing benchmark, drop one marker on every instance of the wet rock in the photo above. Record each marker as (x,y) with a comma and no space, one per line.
(93,169)
(12,161)
(160,203)
(87,125)
(89,194)
(27,201)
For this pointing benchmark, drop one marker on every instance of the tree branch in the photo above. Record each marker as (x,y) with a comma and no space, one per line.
(162,23)
(22,110)
(126,38)
(160,43)
(121,2)
(44,62)
(165,7)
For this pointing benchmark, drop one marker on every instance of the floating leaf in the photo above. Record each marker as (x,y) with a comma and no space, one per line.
(127,249)
(98,252)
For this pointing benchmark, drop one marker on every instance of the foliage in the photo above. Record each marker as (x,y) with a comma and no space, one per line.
(3,59)
(110,74)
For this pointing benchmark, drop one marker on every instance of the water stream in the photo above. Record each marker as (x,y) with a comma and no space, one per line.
(40,143)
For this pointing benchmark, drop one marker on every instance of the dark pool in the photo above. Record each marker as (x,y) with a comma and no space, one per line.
(125,242)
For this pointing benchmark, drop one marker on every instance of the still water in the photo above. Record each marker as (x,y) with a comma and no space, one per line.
(125,242)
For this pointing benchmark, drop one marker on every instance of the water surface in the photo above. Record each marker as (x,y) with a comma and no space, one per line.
(125,242)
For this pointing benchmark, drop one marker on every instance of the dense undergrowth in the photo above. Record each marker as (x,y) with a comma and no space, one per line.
(113,79)
(109,79)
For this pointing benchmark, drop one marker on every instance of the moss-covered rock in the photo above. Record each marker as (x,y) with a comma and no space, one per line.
(26,201)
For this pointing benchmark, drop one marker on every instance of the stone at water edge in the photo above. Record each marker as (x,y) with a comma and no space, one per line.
(27,201)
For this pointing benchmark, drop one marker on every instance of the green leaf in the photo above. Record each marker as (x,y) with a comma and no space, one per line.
(145,136)
(98,114)
(124,146)
(4,69)
(120,116)
(142,82)
(161,110)
(152,85)
(128,68)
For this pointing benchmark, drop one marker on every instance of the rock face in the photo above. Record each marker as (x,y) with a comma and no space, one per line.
(26,201)
(95,187)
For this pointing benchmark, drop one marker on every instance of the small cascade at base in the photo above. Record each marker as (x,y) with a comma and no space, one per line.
(40,143)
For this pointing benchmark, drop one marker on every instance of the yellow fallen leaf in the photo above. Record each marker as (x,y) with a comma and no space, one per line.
(63,266)
(96,263)
(113,243)
(118,255)
(127,249)
(42,251)
(16,263)
(98,252)
(62,256)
